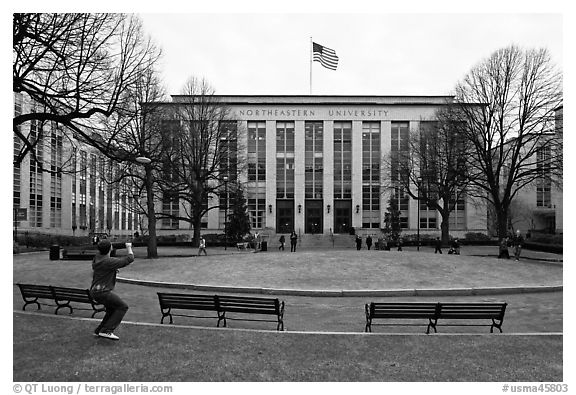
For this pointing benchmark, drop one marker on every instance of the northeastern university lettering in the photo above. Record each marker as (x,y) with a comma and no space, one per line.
(306,113)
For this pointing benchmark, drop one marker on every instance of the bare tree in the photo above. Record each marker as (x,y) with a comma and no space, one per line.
(510,132)
(431,167)
(200,148)
(76,69)
(137,149)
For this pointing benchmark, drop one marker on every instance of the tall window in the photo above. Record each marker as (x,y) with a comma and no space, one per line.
(313,159)
(55,178)
(17,146)
(92,196)
(371,174)
(257,173)
(429,140)
(36,179)
(428,217)
(399,157)
(83,173)
(457,219)
(342,160)
(228,147)
(285,160)
(544,180)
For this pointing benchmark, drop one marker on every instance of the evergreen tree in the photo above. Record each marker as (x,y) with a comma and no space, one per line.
(238,220)
(392,227)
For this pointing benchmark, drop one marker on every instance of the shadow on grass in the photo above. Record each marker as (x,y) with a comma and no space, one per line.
(49,348)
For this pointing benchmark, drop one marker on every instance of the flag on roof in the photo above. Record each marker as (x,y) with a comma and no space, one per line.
(326,56)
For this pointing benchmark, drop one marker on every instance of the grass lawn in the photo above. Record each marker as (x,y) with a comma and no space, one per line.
(48,348)
(346,269)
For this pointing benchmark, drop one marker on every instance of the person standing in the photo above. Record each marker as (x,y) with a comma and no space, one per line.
(293,241)
(399,244)
(438,246)
(358,242)
(368,242)
(202,246)
(104,270)
(282,241)
(518,241)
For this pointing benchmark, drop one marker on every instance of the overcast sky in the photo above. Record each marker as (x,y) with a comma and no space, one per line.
(380,54)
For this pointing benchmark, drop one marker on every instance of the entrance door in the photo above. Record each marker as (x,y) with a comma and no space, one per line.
(342,216)
(284,216)
(313,216)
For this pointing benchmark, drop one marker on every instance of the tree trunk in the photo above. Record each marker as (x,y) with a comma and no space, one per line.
(445,229)
(152,248)
(502,221)
(197,228)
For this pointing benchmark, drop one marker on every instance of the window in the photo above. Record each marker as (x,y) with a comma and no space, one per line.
(544,180)
(36,176)
(458,214)
(285,160)
(371,174)
(55,179)
(342,160)
(256,192)
(313,159)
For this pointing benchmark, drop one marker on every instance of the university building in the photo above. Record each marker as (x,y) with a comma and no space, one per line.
(73,197)
(315,164)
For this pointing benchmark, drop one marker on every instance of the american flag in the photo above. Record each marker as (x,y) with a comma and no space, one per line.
(326,56)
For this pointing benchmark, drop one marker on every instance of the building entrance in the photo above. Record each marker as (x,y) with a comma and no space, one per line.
(342,216)
(313,216)
(284,216)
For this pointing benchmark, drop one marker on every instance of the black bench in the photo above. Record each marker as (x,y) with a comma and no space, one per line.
(64,296)
(60,295)
(31,293)
(250,305)
(222,305)
(408,310)
(437,311)
(474,311)
(169,301)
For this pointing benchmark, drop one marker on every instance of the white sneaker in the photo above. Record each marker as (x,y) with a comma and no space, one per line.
(108,335)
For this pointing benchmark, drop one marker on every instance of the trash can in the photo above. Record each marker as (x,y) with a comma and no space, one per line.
(54,252)
(264,246)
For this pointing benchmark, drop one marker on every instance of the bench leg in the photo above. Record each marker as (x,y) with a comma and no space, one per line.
(431,323)
(166,314)
(64,305)
(496,325)
(26,303)
(280,326)
(221,317)
(368,327)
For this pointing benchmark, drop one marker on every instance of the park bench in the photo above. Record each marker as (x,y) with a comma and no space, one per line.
(437,311)
(250,305)
(64,296)
(32,292)
(242,246)
(60,295)
(474,311)
(222,305)
(402,310)
(169,301)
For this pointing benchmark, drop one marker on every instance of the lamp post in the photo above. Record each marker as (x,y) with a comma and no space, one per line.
(225,212)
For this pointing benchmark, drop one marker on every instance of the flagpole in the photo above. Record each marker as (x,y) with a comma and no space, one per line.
(311,49)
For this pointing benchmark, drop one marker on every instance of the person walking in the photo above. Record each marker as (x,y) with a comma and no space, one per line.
(293,241)
(518,241)
(202,246)
(368,242)
(399,244)
(282,241)
(104,270)
(358,242)
(503,249)
(438,246)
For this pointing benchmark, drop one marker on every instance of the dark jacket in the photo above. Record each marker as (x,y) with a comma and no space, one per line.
(105,269)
